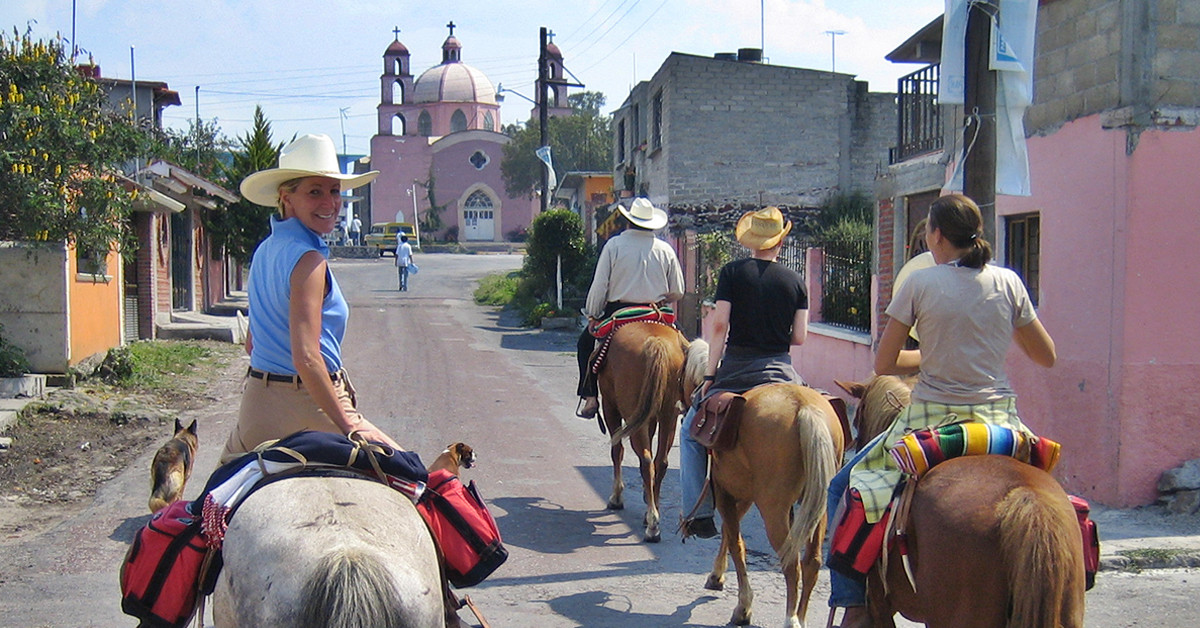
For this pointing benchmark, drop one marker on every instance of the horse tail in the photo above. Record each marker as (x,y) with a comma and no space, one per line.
(656,387)
(1038,545)
(351,587)
(820,465)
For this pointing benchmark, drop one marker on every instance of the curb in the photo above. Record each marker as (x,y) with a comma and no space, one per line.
(1137,560)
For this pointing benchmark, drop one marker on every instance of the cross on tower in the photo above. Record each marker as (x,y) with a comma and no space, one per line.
(550,34)
(451,27)
(396,31)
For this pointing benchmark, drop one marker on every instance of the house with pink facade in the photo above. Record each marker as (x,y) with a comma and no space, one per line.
(1105,242)
(438,149)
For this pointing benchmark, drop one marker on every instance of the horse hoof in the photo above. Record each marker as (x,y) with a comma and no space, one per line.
(740,619)
(653,538)
(615,506)
(714,583)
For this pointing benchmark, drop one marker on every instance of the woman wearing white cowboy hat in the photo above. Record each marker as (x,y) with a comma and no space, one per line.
(297,312)
(635,268)
(761,311)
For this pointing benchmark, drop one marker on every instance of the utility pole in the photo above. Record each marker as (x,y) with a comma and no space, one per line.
(979,166)
(543,114)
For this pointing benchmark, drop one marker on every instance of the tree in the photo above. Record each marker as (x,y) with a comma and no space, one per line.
(198,150)
(581,141)
(239,227)
(61,149)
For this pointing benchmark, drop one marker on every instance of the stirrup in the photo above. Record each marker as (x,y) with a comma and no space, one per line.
(583,413)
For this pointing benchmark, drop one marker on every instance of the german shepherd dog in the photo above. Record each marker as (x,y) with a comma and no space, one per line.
(172,467)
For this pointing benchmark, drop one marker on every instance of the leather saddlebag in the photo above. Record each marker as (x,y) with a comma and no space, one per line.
(716,423)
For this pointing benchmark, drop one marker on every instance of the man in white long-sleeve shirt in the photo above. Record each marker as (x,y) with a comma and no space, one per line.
(635,268)
(403,260)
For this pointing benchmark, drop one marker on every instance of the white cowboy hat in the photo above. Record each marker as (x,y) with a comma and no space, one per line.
(762,229)
(644,214)
(306,156)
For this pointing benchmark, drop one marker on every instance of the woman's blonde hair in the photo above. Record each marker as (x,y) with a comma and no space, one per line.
(288,186)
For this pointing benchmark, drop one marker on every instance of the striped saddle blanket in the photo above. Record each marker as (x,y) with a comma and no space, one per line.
(652,313)
(920,450)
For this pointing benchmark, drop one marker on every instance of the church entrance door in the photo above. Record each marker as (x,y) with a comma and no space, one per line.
(479,217)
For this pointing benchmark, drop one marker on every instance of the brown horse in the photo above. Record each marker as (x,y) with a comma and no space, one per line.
(788,448)
(992,542)
(640,392)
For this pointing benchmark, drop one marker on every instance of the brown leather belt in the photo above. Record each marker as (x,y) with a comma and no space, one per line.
(287,379)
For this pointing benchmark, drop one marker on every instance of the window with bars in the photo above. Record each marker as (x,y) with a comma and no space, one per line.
(656,129)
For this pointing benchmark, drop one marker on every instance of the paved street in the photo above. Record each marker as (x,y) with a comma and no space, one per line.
(431,368)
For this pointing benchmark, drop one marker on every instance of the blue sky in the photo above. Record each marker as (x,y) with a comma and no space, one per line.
(305,61)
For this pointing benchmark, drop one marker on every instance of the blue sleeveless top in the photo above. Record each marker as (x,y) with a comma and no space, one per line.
(270,292)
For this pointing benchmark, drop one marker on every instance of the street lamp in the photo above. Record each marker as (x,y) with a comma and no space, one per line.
(833,48)
(500,91)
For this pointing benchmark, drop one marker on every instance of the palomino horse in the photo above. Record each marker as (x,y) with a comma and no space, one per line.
(328,552)
(788,448)
(641,387)
(992,542)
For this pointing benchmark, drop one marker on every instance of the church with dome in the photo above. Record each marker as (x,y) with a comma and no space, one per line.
(438,149)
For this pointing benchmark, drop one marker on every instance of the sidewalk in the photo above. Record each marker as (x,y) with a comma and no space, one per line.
(1149,537)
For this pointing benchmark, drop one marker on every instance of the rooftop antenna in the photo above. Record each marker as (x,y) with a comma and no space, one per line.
(833,48)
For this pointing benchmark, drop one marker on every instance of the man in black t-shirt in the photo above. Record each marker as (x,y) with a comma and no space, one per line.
(761,311)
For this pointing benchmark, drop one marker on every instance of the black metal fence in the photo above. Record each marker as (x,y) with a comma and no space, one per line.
(919,117)
(845,273)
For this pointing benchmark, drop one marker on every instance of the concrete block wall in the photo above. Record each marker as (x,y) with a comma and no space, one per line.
(1098,55)
(736,132)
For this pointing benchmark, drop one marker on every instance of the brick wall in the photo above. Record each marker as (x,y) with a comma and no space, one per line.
(886,261)
(736,132)
(1098,55)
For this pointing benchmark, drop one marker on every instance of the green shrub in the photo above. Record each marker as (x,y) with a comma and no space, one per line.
(13,362)
(555,233)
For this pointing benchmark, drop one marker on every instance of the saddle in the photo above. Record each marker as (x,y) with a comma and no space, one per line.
(603,328)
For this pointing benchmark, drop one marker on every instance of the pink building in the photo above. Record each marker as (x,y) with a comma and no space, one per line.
(1106,243)
(438,150)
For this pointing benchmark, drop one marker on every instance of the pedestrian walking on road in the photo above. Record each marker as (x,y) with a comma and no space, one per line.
(356,231)
(635,268)
(298,315)
(404,260)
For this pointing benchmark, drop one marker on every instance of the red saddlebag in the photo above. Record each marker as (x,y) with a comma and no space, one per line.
(1091,539)
(163,573)
(465,531)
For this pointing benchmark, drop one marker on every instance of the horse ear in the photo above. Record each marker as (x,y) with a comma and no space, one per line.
(855,389)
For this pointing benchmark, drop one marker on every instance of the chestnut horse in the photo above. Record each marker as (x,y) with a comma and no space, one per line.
(640,393)
(992,542)
(788,448)
(329,552)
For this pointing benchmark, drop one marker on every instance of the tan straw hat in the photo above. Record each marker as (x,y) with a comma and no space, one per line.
(644,214)
(306,156)
(762,229)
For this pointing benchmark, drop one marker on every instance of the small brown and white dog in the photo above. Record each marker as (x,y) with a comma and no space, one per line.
(456,455)
(172,467)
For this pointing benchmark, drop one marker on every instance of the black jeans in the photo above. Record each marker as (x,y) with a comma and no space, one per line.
(583,351)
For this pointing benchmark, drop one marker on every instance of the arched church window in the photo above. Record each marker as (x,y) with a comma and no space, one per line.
(489,122)
(399,126)
(424,124)
(478,200)
(398,93)
(397,67)
(458,121)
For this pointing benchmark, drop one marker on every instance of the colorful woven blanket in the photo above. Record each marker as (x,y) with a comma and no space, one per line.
(920,450)
(653,313)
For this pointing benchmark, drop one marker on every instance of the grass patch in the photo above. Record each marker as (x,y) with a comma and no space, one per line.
(1156,555)
(498,289)
(155,365)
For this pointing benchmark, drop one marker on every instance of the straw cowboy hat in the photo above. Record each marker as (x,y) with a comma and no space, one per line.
(762,229)
(644,214)
(307,156)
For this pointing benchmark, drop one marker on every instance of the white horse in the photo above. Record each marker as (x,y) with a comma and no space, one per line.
(328,552)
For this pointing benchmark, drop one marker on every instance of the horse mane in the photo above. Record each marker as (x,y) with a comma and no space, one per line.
(883,398)
(694,366)
(351,587)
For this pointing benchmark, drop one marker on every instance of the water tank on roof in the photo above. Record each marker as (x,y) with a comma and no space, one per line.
(752,55)
(726,56)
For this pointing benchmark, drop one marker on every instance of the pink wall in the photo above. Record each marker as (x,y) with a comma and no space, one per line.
(1118,234)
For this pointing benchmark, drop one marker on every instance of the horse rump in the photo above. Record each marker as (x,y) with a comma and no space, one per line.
(1040,537)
